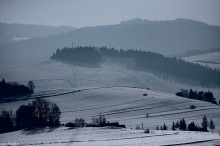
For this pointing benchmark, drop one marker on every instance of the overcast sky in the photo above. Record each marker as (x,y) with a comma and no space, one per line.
(79,13)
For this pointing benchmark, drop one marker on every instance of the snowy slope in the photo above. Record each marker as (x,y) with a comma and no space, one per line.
(128,106)
(53,76)
(107,137)
(211,60)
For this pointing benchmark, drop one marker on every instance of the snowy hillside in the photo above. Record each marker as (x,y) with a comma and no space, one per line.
(211,60)
(50,76)
(102,90)
(128,106)
(107,137)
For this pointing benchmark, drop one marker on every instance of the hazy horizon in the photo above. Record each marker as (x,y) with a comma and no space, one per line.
(102,12)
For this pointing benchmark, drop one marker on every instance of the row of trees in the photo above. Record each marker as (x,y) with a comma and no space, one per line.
(182,125)
(96,122)
(8,89)
(143,61)
(40,112)
(204,96)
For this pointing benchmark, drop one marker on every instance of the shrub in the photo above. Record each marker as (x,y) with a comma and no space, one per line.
(147,131)
(79,122)
(192,107)
(71,125)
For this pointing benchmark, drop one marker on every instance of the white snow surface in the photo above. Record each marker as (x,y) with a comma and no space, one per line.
(102,90)
(211,60)
(128,106)
(107,137)
(124,105)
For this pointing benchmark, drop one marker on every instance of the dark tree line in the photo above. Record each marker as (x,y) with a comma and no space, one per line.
(204,96)
(98,121)
(8,89)
(36,114)
(143,61)
(182,125)
(81,55)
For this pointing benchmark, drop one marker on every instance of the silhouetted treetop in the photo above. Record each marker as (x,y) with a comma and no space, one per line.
(204,96)
(8,89)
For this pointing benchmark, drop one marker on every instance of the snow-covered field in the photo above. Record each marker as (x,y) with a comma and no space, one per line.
(211,60)
(128,106)
(116,92)
(107,137)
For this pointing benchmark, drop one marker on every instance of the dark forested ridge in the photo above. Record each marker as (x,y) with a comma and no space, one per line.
(143,61)
(8,89)
(88,55)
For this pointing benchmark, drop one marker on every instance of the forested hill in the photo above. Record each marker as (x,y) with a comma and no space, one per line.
(145,61)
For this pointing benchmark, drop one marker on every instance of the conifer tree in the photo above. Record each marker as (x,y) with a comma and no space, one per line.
(211,125)
(173,126)
(205,123)
(183,124)
(177,124)
(164,126)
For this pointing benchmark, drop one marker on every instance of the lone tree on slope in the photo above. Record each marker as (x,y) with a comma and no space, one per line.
(173,127)
(211,125)
(205,123)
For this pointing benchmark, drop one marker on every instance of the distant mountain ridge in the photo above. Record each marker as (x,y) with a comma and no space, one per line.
(9,32)
(166,37)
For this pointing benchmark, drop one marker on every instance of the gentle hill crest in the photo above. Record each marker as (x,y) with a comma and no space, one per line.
(10,33)
(166,37)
